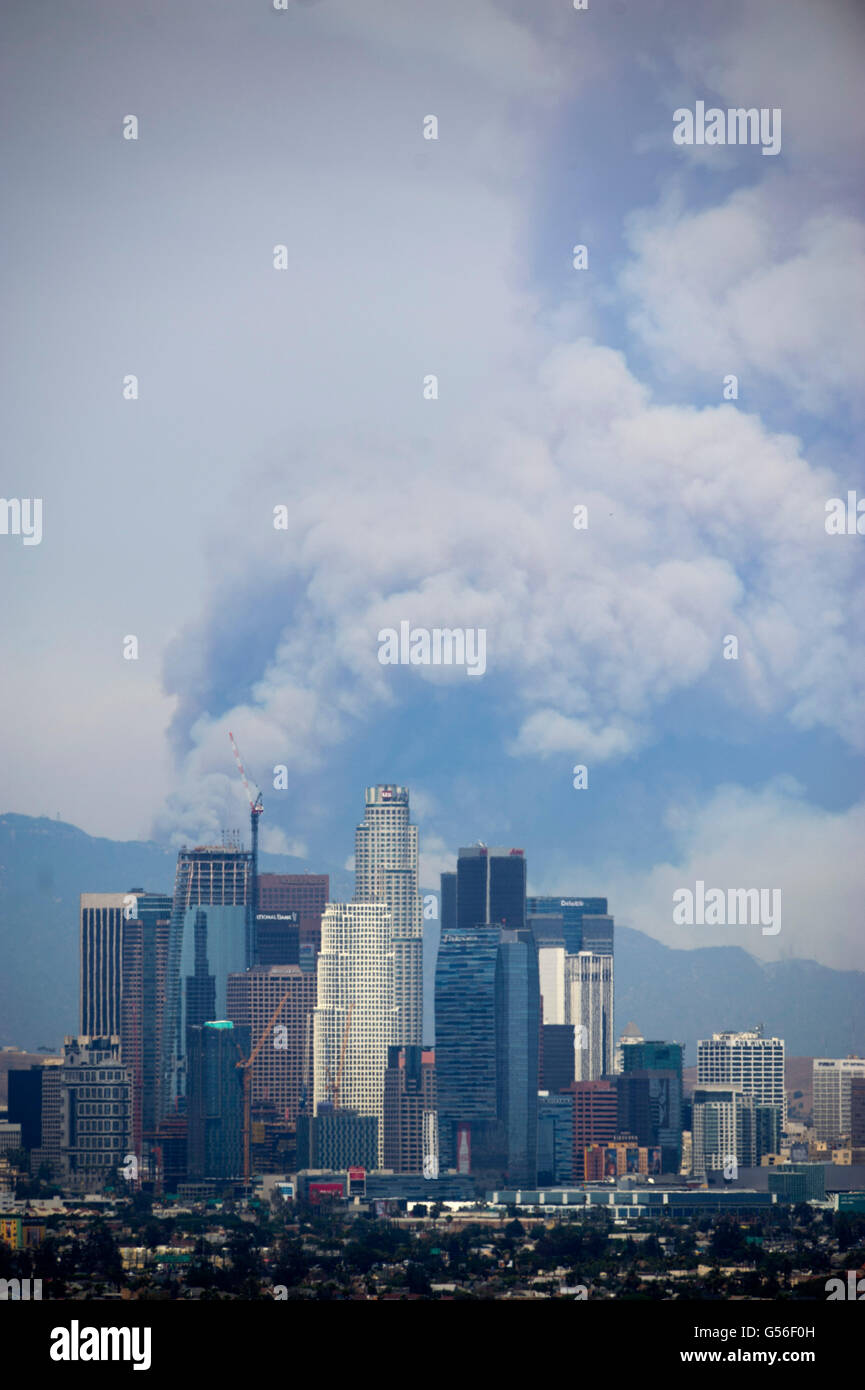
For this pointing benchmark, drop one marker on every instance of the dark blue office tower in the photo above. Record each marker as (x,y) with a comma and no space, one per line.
(491,887)
(465,1052)
(517,1032)
(215,1099)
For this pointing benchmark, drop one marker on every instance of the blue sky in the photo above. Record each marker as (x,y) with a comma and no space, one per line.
(303,387)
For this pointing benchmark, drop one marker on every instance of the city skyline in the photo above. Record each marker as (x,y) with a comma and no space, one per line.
(468,395)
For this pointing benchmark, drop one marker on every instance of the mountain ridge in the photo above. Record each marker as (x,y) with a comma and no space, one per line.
(669,992)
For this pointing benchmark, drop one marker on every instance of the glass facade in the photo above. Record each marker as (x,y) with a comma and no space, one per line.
(465,1003)
(650,1106)
(597,932)
(215,1099)
(556,1139)
(491,887)
(517,1035)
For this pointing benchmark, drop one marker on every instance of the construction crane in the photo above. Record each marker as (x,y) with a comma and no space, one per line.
(246,1064)
(335,1082)
(256,810)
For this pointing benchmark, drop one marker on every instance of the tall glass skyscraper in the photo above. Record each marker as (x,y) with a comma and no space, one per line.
(215,1135)
(145,935)
(487,1029)
(219,879)
(465,1052)
(491,887)
(517,1036)
(386,868)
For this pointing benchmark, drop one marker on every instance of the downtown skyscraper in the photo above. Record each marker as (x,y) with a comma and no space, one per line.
(218,879)
(574,937)
(748,1060)
(356,1015)
(491,887)
(100,962)
(488,1021)
(386,871)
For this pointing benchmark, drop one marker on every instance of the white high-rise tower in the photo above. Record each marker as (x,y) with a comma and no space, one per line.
(386,870)
(748,1060)
(355,1018)
(589,1006)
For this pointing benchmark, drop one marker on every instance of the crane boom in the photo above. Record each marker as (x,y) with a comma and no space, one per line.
(254,804)
(245,1064)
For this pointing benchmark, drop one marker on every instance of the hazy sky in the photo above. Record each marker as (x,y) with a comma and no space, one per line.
(557,387)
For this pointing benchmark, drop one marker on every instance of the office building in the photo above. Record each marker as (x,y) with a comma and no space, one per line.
(48,1156)
(768,1121)
(356,1016)
(281,1075)
(410,1118)
(336,1139)
(832,1079)
(630,1036)
(219,880)
(277,938)
(517,1009)
(215,1099)
(799,1182)
(557,1059)
(144,934)
(101,922)
(200,986)
(579,934)
(747,1059)
(10,1137)
(857,1112)
(95,1112)
(640,1055)
(551,967)
(386,867)
(491,888)
(448,901)
(589,1007)
(650,1107)
(723,1135)
(556,1166)
(305,894)
(465,1005)
(25,1099)
(595,1118)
